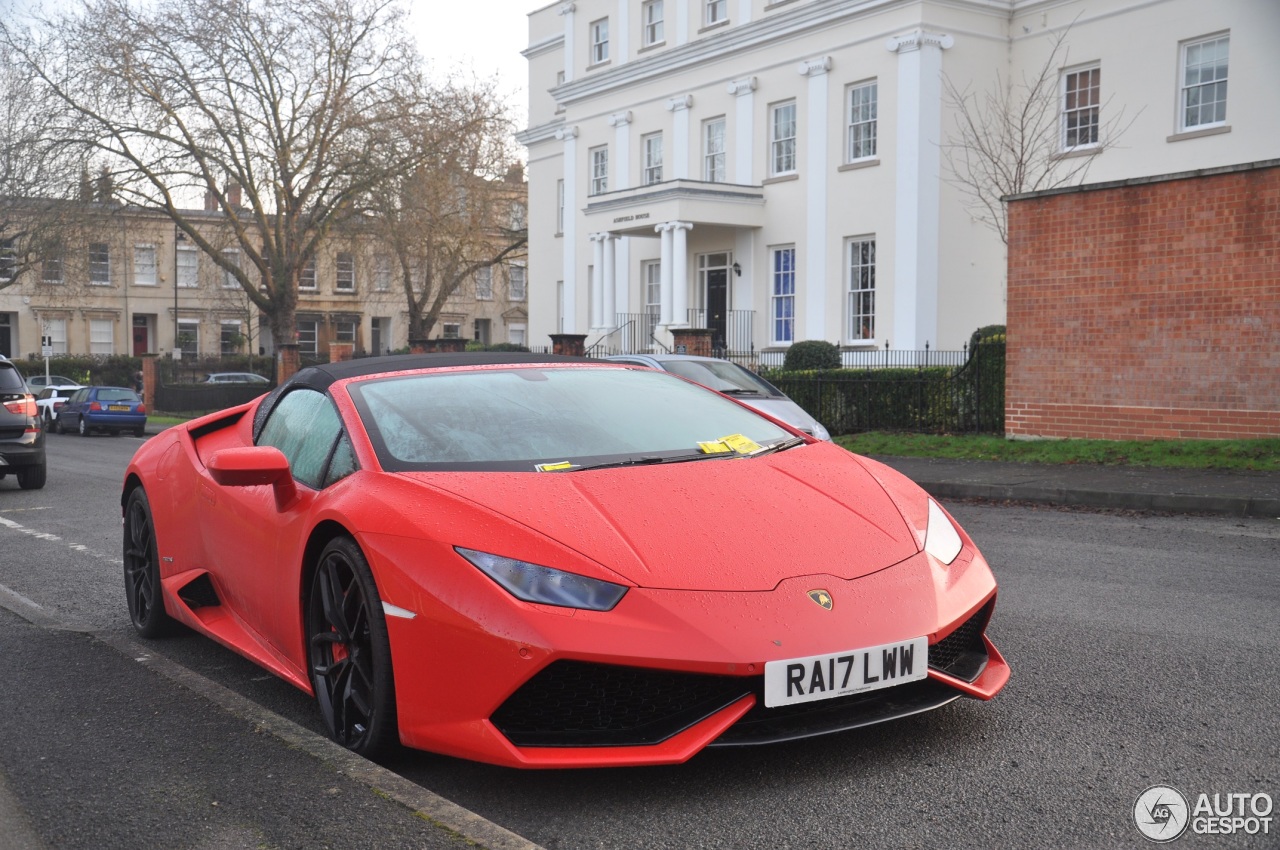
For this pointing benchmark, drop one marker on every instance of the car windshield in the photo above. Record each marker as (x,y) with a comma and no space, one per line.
(551,419)
(117,394)
(10,379)
(722,376)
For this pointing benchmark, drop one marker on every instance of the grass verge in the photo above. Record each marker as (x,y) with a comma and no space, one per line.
(1181,454)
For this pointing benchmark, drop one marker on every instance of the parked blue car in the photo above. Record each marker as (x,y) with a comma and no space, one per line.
(112,409)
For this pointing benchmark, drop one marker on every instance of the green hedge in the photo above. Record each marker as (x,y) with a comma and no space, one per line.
(114,370)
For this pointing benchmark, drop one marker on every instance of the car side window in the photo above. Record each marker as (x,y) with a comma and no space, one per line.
(79,395)
(305,426)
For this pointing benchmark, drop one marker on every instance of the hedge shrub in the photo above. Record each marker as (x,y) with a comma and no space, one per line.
(811,354)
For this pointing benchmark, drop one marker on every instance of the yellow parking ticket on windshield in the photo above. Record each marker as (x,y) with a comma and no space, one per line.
(740,444)
(554,467)
(714,447)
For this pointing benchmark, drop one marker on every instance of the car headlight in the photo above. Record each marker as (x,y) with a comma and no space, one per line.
(941,540)
(543,585)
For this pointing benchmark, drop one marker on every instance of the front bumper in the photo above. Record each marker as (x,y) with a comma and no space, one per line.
(483,676)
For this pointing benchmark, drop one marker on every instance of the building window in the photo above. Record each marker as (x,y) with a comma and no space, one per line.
(56,330)
(189,336)
(517,278)
(652,145)
(144,265)
(102,336)
(230,339)
(99,264)
(717,11)
(559,306)
(1204,82)
(188,266)
(451,330)
(8,260)
(782,299)
(862,120)
(51,269)
(480,331)
(344,331)
(307,275)
(652,13)
(1080,104)
(599,41)
(862,288)
(229,280)
(782,138)
(652,276)
(559,206)
(517,333)
(346,267)
(382,273)
(484,284)
(307,337)
(713,165)
(600,170)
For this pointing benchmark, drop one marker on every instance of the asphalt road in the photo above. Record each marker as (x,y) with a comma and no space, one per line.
(1145,650)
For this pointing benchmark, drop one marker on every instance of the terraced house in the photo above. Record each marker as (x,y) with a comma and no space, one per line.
(780,170)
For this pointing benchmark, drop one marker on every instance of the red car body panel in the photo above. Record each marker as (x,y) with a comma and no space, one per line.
(719,558)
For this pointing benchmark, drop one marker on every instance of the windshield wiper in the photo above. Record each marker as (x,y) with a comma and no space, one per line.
(740,391)
(780,446)
(646,460)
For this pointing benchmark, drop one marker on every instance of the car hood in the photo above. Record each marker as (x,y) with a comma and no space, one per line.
(722,525)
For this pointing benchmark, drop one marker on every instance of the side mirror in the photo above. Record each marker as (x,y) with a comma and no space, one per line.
(254,466)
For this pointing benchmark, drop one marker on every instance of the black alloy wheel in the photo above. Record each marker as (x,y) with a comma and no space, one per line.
(142,569)
(349,653)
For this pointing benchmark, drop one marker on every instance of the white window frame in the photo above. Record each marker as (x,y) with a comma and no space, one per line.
(484,284)
(717,12)
(144,266)
(451,330)
(1189,56)
(652,19)
(102,336)
(344,271)
(100,268)
(559,207)
(232,255)
(187,266)
(714,159)
(307,276)
(381,273)
(52,270)
(189,327)
(56,330)
(651,170)
(782,296)
(599,41)
(517,333)
(223,326)
(860,287)
(308,332)
(344,330)
(598,157)
(651,274)
(862,128)
(8,260)
(1080,107)
(517,283)
(782,138)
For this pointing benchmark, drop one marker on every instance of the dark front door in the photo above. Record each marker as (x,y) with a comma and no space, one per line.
(717,306)
(141,339)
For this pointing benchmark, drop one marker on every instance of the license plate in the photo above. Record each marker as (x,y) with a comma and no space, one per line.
(838,674)
(124,408)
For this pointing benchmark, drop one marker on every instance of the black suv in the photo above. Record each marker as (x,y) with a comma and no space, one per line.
(21,437)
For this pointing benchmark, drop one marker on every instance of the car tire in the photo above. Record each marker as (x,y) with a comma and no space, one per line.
(142,569)
(48,422)
(33,477)
(139,432)
(82,427)
(348,652)
(57,426)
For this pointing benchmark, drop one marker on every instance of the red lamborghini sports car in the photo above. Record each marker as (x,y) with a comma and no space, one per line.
(540,561)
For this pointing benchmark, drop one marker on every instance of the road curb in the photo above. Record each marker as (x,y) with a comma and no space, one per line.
(432,808)
(1241,506)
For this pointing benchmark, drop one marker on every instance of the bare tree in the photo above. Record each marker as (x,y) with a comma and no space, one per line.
(460,213)
(1011,138)
(280,114)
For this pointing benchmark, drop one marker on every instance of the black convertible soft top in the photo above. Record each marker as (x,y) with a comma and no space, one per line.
(319,377)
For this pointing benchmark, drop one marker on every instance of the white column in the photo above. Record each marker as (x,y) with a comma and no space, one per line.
(609,304)
(814,263)
(569,257)
(744,118)
(566,11)
(679,147)
(622,296)
(918,196)
(620,160)
(597,280)
(622,30)
(682,21)
(744,12)
(680,274)
(664,273)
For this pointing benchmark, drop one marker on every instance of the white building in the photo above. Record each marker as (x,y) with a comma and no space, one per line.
(773,169)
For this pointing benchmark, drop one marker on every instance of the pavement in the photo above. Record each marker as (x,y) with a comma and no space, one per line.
(1191,491)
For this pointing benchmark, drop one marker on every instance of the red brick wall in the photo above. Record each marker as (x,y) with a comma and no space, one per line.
(1147,311)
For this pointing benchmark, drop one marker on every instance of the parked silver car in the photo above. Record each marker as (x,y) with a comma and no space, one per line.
(732,380)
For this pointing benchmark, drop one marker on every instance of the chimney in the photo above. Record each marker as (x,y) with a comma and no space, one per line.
(210,201)
(234,196)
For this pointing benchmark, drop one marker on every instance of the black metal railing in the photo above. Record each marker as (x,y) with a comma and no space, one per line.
(733,329)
